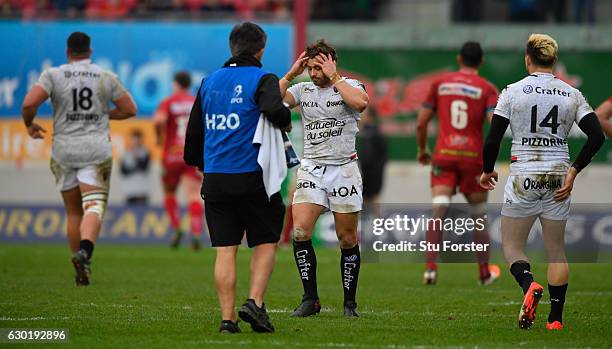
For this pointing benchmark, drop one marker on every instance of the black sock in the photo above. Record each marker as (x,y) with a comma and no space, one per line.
(306,262)
(522,273)
(557,299)
(350,261)
(87,246)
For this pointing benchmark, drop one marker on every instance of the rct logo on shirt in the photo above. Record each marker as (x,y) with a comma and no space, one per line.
(237,92)
(527,89)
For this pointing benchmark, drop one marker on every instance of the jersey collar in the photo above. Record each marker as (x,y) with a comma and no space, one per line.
(82,61)
(538,74)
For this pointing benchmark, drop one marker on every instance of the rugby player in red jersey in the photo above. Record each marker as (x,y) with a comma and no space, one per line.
(170,121)
(462,100)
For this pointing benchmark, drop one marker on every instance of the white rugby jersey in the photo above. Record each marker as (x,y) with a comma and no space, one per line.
(542,110)
(330,126)
(80,94)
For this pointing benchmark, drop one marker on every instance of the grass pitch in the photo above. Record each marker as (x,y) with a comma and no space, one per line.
(152,297)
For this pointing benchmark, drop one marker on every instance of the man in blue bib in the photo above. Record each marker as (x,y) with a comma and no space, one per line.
(219,141)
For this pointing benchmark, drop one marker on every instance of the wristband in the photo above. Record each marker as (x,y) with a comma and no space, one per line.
(336,78)
(288,77)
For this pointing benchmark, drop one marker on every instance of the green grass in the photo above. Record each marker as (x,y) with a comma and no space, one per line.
(149,296)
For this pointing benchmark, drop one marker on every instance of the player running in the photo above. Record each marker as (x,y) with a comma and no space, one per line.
(328,178)
(541,111)
(461,99)
(604,113)
(81,157)
(170,120)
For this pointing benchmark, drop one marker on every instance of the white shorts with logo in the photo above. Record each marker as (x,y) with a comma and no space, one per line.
(337,188)
(533,194)
(67,177)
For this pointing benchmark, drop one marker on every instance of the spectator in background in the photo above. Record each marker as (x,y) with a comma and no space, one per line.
(467,10)
(373,157)
(584,8)
(135,170)
(69,8)
(526,11)
(109,9)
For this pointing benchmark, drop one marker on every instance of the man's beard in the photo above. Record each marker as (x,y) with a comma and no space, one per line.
(321,82)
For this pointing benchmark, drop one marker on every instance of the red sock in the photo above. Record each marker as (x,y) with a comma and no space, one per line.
(434,236)
(172,209)
(196,212)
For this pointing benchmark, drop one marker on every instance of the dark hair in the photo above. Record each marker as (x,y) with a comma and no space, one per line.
(183,79)
(247,39)
(321,46)
(471,54)
(78,43)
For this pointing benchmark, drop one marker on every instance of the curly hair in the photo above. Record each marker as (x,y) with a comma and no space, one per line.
(321,46)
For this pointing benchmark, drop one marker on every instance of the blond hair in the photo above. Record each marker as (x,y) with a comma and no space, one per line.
(542,49)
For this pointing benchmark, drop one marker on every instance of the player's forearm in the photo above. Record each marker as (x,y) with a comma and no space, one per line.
(28,113)
(116,114)
(492,143)
(421,127)
(355,97)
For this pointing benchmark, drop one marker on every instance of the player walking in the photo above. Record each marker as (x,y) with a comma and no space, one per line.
(541,111)
(81,157)
(328,178)
(461,99)
(170,121)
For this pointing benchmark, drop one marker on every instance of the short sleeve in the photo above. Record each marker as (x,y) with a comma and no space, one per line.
(503,107)
(296,92)
(491,99)
(355,83)
(46,81)
(582,106)
(431,100)
(117,89)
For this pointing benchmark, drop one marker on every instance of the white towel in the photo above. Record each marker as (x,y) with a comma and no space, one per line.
(271,155)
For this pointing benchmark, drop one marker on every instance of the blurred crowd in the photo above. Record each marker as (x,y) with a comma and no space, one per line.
(531,11)
(117,9)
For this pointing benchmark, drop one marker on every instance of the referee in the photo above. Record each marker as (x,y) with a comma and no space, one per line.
(219,141)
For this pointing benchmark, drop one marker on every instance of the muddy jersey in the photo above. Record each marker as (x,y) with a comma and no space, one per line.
(80,94)
(330,126)
(542,110)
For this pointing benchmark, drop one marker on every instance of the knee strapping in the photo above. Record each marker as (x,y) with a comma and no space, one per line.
(95,202)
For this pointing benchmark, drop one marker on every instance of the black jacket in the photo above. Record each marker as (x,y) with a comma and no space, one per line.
(267,97)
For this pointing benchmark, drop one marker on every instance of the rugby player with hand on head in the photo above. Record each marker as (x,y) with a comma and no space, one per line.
(81,155)
(170,120)
(462,100)
(329,177)
(540,110)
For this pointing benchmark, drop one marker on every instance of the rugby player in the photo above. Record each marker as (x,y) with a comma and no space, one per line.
(81,159)
(328,177)
(541,111)
(170,120)
(462,100)
(604,113)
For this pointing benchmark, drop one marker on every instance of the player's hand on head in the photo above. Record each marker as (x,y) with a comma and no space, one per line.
(299,65)
(327,64)
(564,192)
(36,131)
(488,180)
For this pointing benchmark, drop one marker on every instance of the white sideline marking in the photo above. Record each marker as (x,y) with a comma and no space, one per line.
(35,318)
